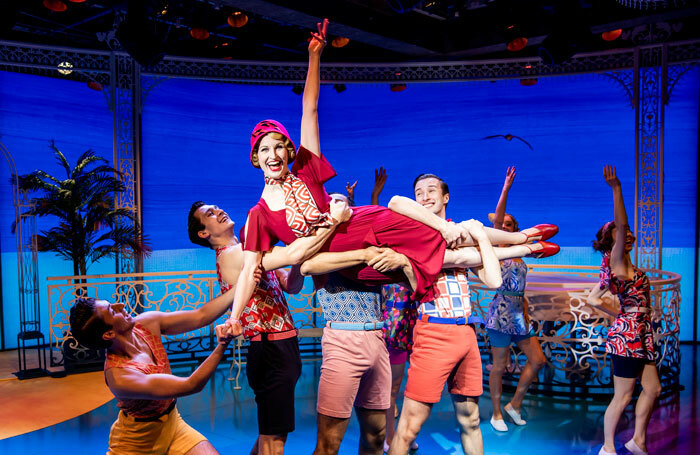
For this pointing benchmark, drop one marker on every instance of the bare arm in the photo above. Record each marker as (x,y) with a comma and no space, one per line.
(173,323)
(132,384)
(503,199)
(604,304)
(291,281)
(411,209)
(617,255)
(309,118)
(379,181)
(330,262)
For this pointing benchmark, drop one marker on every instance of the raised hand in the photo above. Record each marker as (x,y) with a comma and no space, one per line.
(379,180)
(510,176)
(318,40)
(610,175)
(340,211)
(350,190)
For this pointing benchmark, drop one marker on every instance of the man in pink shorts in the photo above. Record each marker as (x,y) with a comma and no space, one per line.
(355,371)
(444,344)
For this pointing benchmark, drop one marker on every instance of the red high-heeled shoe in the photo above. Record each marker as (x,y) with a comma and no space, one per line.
(548,249)
(543,232)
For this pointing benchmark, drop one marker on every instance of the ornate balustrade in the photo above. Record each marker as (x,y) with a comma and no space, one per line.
(572,333)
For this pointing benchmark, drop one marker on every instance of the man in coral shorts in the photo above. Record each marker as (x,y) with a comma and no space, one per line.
(444,344)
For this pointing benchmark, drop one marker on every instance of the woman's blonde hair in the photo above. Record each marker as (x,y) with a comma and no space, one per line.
(291,152)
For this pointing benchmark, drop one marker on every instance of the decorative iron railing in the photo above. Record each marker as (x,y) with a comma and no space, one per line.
(572,333)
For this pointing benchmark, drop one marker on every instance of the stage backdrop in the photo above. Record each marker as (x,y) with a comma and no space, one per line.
(196,146)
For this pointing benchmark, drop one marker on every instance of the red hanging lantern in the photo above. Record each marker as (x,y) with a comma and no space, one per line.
(237,19)
(611,35)
(77,1)
(95,85)
(55,5)
(517,44)
(199,33)
(340,41)
(528,82)
(398,87)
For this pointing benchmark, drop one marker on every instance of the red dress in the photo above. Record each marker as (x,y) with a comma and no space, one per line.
(369,225)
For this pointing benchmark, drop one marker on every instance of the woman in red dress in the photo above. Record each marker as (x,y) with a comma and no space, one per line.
(630,341)
(294,204)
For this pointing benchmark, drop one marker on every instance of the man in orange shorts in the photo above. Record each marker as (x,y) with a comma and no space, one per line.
(444,344)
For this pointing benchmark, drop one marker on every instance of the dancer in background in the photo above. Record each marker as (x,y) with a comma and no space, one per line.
(294,204)
(508,322)
(630,340)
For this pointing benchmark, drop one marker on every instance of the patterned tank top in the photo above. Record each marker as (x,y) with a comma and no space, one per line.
(452,290)
(139,407)
(267,309)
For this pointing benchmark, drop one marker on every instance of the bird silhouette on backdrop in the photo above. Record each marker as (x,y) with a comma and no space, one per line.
(508,137)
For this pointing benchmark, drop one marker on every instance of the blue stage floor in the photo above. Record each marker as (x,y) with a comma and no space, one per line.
(555,426)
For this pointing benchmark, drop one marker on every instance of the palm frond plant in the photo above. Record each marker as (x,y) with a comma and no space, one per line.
(89,227)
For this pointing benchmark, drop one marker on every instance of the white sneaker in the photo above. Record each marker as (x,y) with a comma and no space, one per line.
(499,425)
(413,447)
(386,447)
(634,448)
(515,415)
(605,452)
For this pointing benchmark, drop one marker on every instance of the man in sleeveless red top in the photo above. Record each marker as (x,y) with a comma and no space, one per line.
(273,362)
(137,372)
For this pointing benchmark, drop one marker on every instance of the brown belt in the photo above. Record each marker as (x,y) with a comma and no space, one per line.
(155,417)
(275,336)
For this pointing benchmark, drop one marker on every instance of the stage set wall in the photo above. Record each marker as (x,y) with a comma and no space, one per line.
(196,147)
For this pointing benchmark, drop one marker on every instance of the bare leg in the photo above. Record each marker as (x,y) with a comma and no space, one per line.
(651,389)
(331,431)
(624,387)
(471,256)
(496,379)
(271,444)
(372,431)
(535,361)
(467,413)
(397,372)
(413,416)
(203,448)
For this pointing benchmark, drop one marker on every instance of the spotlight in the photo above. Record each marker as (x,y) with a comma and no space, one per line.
(611,35)
(340,88)
(237,19)
(55,5)
(340,41)
(65,68)
(298,89)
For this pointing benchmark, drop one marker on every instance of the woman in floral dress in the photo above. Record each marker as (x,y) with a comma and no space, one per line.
(508,322)
(630,341)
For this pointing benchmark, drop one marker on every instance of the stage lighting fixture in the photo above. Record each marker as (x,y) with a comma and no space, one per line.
(65,68)
(298,89)
(611,35)
(340,41)
(139,35)
(237,20)
(199,33)
(569,34)
(55,5)
(340,88)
